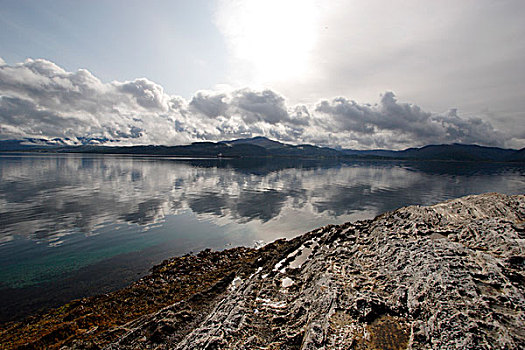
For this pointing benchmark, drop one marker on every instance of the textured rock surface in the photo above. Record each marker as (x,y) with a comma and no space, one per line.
(195,281)
(449,276)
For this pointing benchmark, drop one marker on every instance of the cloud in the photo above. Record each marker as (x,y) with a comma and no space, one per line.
(394,123)
(264,106)
(40,99)
(209,104)
(146,93)
(251,106)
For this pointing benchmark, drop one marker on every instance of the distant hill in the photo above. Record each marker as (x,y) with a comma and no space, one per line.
(264,147)
(518,156)
(258,141)
(276,148)
(377,153)
(458,152)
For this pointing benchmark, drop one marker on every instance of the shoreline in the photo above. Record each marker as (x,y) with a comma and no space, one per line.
(348,159)
(178,279)
(415,277)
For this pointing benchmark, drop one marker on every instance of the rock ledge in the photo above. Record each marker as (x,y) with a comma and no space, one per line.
(448,276)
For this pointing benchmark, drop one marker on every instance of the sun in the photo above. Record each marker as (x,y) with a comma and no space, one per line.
(270,40)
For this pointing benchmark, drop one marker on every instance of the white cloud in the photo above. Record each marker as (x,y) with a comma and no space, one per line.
(442,54)
(40,99)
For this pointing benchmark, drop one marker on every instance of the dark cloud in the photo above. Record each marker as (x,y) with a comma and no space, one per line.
(300,115)
(380,124)
(254,106)
(211,105)
(348,115)
(251,106)
(40,99)
(20,116)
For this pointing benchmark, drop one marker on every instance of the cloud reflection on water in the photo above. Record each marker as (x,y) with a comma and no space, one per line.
(46,197)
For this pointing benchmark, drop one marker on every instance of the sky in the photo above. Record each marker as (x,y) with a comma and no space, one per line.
(352,74)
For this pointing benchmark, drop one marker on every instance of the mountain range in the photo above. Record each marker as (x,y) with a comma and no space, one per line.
(263,147)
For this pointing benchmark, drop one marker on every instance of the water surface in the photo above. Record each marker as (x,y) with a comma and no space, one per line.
(75,225)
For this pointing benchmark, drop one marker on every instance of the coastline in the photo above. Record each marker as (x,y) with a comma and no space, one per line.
(94,321)
(419,277)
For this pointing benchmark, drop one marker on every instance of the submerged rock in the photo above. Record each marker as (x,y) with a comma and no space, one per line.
(448,276)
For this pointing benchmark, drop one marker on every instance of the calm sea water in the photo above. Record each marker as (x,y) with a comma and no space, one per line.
(76,225)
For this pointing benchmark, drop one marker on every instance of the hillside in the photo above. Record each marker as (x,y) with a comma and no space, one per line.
(264,147)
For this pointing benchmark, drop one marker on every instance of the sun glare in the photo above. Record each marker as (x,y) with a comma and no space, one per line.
(272,39)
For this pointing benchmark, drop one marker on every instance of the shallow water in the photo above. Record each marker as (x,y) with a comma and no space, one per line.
(75,225)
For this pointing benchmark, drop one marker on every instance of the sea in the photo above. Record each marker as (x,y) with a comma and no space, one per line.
(76,225)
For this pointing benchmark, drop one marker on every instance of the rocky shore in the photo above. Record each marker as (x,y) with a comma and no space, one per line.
(448,276)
